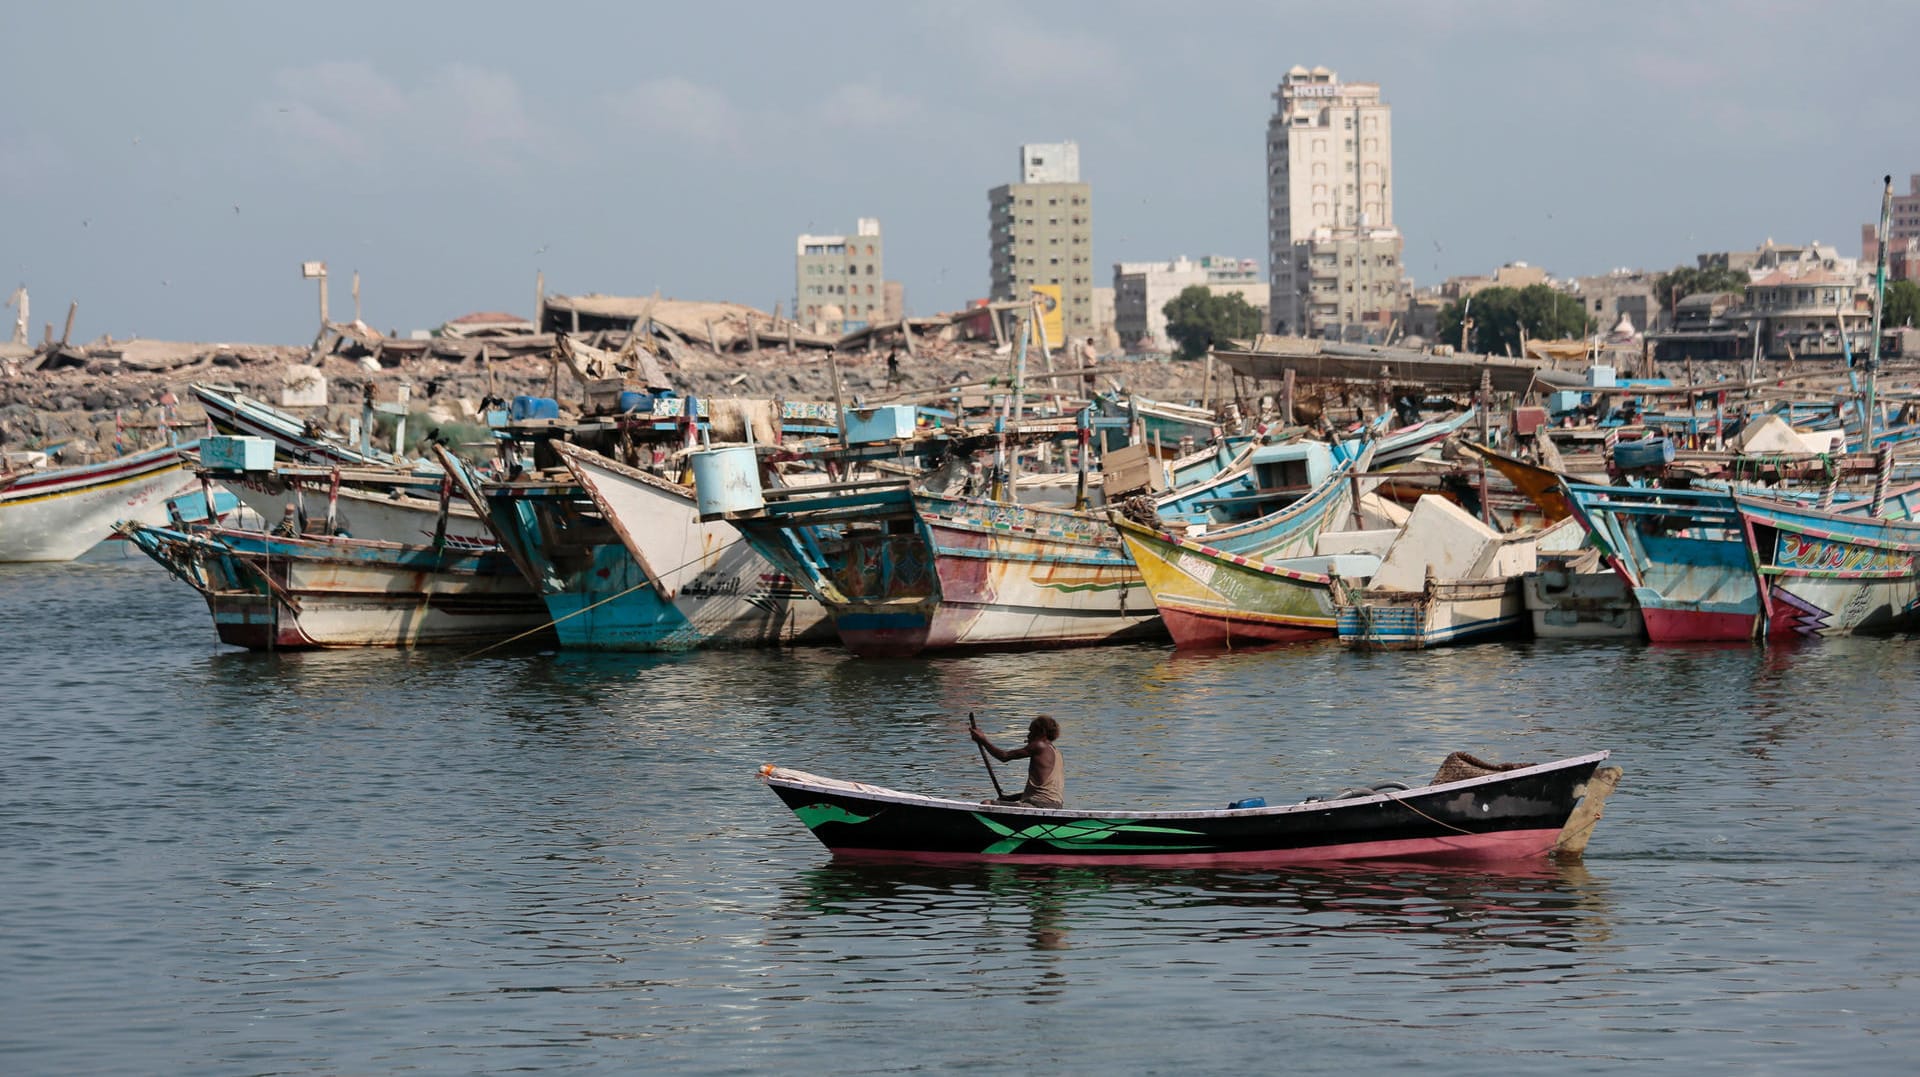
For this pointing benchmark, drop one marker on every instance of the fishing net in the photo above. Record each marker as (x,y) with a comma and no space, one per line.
(1460,766)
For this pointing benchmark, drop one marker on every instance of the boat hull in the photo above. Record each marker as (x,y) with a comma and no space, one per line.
(1020,576)
(268,592)
(1446,612)
(61,513)
(719,591)
(1509,815)
(1831,574)
(1210,598)
(1685,555)
(1581,605)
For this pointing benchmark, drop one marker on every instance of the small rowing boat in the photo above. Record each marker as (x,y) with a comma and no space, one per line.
(1471,812)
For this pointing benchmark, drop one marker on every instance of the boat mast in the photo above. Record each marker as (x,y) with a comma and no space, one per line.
(1879,301)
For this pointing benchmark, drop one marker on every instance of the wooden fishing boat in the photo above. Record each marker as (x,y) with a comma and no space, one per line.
(625,563)
(1830,573)
(1408,442)
(1447,578)
(1684,554)
(57,514)
(234,412)
(1262,581)
(1471,813)
(271,592)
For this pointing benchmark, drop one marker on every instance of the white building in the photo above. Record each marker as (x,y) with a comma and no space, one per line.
(1329,183)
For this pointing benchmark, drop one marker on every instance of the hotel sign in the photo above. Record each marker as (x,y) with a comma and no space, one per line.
(1317,90)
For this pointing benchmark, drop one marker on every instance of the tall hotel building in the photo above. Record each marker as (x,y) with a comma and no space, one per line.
(1334,258)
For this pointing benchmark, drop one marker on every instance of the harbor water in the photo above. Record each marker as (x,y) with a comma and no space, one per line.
(544,862)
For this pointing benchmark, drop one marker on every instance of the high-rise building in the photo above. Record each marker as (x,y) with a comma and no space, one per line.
(840,281)
(1334,258)
(1040,233)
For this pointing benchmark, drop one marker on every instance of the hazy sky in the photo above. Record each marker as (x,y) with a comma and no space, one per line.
(170,165)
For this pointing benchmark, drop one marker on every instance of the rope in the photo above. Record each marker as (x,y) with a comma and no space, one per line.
(1431,819)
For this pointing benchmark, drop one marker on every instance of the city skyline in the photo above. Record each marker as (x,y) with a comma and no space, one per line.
(449,163)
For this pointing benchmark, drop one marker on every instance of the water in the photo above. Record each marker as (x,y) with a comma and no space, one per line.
(220,862)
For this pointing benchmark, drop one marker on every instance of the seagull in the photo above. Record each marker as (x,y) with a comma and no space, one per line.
(543,249)
(236,209)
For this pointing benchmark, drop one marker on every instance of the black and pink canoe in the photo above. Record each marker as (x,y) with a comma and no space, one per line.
(1473,812)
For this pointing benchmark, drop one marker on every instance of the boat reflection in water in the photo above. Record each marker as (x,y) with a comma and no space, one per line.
(1546,906)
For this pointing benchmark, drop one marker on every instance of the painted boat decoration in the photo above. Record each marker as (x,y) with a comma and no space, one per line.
(635,569)
(1447,578)
(1471,813)
(1010,575)
(271,592)
(1212,592)
(1829,573)
(57,514)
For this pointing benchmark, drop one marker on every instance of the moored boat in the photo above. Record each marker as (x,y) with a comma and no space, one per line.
(1472,812)
(1447,578)
(274,592)
(57,514)
(1829,573)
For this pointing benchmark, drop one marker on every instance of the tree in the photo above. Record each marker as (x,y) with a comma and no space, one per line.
(1197,319)
(1902,305)
(1499,314)
(1682,281)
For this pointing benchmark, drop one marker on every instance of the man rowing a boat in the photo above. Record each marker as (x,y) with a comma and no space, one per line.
(1046,775)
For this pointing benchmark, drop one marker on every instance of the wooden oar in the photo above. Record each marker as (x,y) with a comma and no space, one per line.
(997,791)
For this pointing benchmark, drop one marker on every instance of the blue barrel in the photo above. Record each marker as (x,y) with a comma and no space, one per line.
(726,480)
(631,402)
(1645,453)
(535,407)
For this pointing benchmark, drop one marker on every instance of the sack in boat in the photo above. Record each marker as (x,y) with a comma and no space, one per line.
(1460,766)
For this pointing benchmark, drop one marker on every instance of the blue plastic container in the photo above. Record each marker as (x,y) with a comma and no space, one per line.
(535,407)
(631,401)
(1250,802)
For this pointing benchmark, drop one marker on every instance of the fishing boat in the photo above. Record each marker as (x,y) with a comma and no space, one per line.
(235,413)
(1447,578)
(275,592)
(1683,552)
(383,504)
(1164,426)
(1266,580)
(1471,812)
(625,563)
(1830,573)
(1409,442)
(57,514)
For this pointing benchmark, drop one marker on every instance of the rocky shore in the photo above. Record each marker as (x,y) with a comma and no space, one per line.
(86,398)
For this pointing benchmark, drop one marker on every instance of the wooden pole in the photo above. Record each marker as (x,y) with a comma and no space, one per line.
(356,295)
(72,309)
(839,395)
(1286,398)
(540,301)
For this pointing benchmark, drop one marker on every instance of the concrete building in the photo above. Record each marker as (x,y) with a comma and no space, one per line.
(1040,232)
(1141,291)
(1329,186)
(840,282)
(1622,293)
(1349,284)
(1905,225)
